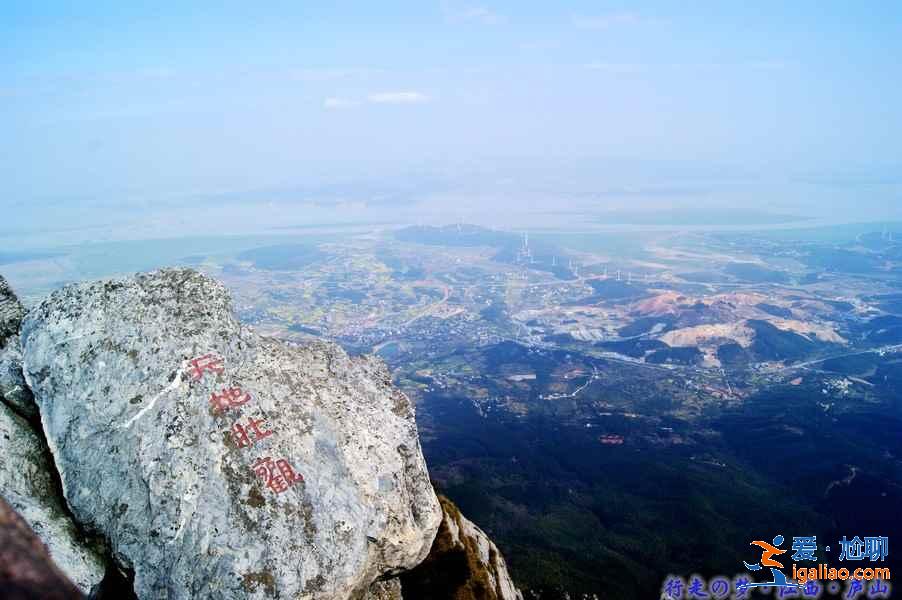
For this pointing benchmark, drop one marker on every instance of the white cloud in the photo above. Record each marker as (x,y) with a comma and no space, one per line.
(606,21)
(471,14)
(339,103)
(397,97)
(405,97)
(481,14)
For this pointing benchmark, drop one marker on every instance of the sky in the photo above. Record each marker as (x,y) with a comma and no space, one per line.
(109,106)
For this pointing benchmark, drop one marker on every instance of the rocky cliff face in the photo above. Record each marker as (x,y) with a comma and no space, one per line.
(11,312)
(27,476)
(13,389)
(464,564)
(213,463)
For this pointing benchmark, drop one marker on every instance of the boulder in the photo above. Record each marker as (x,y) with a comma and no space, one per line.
(463,564)
(219,463)
(26,570)
(27,483)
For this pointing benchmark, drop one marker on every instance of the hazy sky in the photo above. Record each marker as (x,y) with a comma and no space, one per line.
(135,102)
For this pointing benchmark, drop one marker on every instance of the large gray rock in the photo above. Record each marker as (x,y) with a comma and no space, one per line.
(26,482)
(166,455)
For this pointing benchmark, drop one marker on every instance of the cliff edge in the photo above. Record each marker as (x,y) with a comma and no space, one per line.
(204,460)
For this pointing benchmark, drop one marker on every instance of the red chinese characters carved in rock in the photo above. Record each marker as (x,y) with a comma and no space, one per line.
(277,475)
(241,434)
(227,399)
(202,364)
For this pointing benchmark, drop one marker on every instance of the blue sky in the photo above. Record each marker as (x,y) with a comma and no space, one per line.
(111,101)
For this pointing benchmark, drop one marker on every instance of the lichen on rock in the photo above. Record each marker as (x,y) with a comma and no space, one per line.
(385,590)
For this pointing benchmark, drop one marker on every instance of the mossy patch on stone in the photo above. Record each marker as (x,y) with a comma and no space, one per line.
(253,580)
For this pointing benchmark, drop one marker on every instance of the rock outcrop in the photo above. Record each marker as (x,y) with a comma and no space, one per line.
(27,484)
(26,570)
(463,564)
(215,462)
(11,312)
(27,477)
(218,463)
(13,389)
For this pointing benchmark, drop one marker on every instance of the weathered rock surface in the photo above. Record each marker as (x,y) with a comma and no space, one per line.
(27,483)
(26,570)
(11,312)
(463,564)
(385,590)
(13,390)
(167,457)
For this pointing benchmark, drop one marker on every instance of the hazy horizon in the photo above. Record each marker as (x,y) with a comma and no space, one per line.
(160,118)
(788,108)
